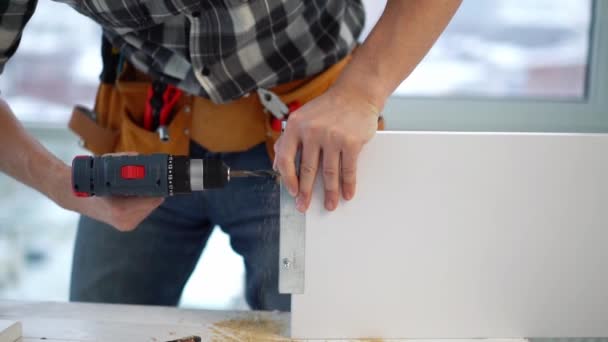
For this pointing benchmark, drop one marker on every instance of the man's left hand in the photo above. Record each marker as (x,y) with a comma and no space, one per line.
(330,130)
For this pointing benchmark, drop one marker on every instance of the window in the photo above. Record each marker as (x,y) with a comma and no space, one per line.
(509,65)
(506,49)
(56,66)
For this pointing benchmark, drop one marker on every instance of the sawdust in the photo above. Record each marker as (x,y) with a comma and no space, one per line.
(256,329)
(247,330)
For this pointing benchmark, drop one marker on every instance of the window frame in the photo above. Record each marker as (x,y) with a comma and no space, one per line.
(589,114)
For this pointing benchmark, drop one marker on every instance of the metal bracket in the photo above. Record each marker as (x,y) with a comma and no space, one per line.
(291,245)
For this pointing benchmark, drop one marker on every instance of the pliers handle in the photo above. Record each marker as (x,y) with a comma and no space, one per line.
(279,110)
(162,98)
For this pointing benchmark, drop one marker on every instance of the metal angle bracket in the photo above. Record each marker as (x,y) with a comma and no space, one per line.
(291,245)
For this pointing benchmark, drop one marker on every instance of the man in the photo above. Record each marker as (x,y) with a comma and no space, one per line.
(218,52)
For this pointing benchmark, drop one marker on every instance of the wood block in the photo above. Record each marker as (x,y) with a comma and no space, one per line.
(10,331)
(457,235)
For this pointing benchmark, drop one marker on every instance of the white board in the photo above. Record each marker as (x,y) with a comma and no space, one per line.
(458,235)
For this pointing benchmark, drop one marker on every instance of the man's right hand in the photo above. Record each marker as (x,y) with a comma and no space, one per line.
(25,159)
(123,213)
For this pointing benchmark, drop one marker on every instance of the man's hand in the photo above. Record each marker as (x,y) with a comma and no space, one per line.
(25,159)
(330,130)
(123,213)
(336,125)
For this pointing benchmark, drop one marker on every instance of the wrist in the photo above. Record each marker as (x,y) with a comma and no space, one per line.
(60,186)
(348,94)
(367,90)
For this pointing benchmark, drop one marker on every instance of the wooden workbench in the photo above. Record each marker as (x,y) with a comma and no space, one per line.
(73,322)
(106,322)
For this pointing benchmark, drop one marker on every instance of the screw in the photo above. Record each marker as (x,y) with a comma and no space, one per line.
(286,263)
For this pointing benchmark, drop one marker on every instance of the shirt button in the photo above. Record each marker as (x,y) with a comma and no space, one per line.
(205,71)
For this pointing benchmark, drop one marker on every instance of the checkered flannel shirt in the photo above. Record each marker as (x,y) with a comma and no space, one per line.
(219,49)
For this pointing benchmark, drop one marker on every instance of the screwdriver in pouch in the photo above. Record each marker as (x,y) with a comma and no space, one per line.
(154,175)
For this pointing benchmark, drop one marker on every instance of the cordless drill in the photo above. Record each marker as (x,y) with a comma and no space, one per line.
(154,175)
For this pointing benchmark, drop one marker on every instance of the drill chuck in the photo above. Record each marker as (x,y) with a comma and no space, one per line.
(155,175)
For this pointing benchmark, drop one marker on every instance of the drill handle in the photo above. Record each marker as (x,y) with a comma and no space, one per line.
(155,175)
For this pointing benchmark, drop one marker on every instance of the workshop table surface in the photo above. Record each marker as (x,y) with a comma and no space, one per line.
(73,322)
(50,321)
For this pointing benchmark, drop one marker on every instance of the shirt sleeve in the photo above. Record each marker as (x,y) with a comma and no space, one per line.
(14,14)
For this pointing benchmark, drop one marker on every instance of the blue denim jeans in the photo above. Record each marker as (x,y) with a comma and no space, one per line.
(151,264)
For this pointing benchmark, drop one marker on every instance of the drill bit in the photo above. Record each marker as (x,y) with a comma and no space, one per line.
(256,173)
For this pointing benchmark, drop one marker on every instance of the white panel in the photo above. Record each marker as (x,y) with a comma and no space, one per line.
(458,235)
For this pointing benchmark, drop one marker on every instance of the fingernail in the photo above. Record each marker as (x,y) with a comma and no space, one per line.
(348,195)
(329,204)
(300,205)
(292,191)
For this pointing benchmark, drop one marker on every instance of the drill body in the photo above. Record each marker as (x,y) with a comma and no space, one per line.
(155,175)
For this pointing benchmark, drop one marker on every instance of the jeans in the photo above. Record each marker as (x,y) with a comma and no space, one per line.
(151,264)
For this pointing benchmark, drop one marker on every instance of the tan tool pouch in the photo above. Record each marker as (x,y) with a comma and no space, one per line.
(116,125)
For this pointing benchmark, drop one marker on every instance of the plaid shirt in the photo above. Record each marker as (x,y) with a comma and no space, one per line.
(219,49)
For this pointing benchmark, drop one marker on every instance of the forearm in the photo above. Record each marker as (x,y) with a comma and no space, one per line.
(404,34)
(25,159)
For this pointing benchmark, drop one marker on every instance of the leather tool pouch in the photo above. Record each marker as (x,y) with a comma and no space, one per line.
(132,89)
(115,124)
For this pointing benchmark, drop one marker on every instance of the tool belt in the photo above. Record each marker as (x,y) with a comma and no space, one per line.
(116,123)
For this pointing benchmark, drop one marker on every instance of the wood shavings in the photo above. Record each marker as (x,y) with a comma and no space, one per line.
(255,329)
(247,330)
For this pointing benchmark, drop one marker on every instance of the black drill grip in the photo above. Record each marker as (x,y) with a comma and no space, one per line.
(155,175)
